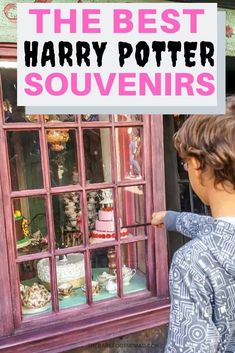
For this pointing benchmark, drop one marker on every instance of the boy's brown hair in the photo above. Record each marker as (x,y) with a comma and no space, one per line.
(211,140)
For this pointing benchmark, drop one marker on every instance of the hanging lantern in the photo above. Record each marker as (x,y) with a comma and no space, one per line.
(36,118)
(57,139)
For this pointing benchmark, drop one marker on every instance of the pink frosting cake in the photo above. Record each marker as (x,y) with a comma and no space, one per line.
(106,214)
(105,226)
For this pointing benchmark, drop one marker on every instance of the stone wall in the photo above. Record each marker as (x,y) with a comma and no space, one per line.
(148,341)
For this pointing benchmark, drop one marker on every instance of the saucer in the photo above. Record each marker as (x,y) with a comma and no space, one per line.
(31,311)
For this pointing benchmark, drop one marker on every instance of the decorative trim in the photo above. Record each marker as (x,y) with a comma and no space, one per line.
(8,51)
(74,336)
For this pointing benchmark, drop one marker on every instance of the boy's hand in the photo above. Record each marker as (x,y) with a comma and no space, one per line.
(158,218)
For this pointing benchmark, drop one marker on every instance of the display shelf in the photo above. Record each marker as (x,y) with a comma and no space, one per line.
(137,283)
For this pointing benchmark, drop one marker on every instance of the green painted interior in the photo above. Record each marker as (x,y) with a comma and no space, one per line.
(137,283)
(8,29)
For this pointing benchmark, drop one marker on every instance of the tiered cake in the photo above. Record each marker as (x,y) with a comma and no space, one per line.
(105,224)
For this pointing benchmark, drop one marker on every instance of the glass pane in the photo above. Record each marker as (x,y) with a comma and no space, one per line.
(25,160)
(12,112)
(30,225)
(133,257)
(128,118)
(185,197)
(101,218)
(97,155)
(70,270)
(59,118)
(129,153)
(94,117)
(67,220)
(103,267)
(35,296)
(62,151)
(132,206)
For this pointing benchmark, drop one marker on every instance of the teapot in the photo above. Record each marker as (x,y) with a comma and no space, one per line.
(111,286)
(126,270)
(34,297)
(127,277)
(127,274)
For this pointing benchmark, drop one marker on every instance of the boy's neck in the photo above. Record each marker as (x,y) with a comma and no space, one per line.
(222,203)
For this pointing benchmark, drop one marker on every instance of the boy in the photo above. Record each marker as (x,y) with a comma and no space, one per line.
(202,275)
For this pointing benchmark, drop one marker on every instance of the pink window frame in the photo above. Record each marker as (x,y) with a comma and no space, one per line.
(155,199)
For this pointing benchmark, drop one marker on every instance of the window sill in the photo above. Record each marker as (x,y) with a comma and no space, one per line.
(79,330)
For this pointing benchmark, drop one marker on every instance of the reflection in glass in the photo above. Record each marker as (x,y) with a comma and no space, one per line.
(25,160)
(94,117)
(30,225)
(62,157)
(12,112)
(67,220)
(59,117)
(35,296)
(132,206)
(97,155)
(103,269)
(129,153)
(133,258)
(128,118)
(185,201)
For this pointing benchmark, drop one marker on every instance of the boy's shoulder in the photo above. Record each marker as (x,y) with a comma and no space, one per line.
(190,253)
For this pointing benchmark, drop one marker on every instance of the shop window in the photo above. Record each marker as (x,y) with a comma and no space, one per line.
(62,154)
(91,118)
(30,225)
(97,153)
(68,225)
(25,160)
(129,146)
(78,202)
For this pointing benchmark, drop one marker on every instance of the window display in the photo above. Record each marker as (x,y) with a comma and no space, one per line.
(104,228)
(24,157)
(129,153)
(97,154)
(30,225)
(68,225)
(77,201)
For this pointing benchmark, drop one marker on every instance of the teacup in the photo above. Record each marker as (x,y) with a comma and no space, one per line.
(94,287)
(71,213)
(103,279)
(73,222)
(65,289)
(111,286)
(70,207)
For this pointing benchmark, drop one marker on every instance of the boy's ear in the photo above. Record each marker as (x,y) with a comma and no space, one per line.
(195,163)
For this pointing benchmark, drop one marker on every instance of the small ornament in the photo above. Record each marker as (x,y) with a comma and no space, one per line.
(57,139)
(60,171)
(107,198)
(112,261)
